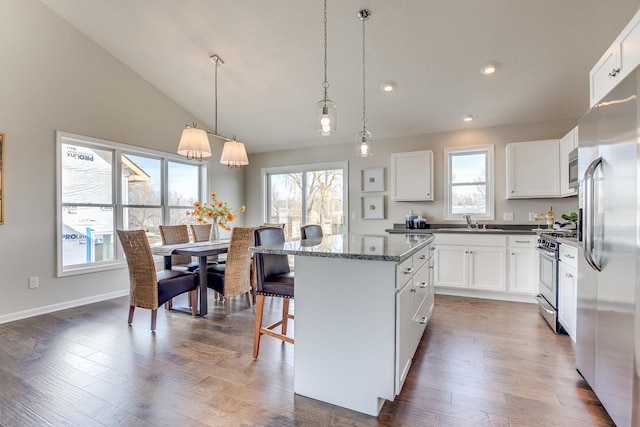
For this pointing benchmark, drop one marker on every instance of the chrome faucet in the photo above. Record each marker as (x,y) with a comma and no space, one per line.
(468,218)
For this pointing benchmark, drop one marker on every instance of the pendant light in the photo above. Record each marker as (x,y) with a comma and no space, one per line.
(326,111)
(194,143)
(363,140)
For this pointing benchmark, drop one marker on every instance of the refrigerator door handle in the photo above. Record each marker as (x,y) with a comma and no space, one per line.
(589,213)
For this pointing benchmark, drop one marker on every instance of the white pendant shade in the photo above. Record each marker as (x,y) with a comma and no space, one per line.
(234,154)
(194,144)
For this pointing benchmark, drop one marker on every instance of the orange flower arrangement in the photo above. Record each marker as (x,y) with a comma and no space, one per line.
(216,212)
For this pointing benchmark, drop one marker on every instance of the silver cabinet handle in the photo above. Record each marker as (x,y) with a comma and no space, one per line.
(433,248)
(422,285)
(522,241)
(614,72)
(570,276)
(407,270)
(423,257)
(423,320)
(569,256)
(589,213)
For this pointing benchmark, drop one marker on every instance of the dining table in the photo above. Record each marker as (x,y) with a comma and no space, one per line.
(201,250)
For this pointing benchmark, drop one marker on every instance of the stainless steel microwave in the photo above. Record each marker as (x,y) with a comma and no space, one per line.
(573,168)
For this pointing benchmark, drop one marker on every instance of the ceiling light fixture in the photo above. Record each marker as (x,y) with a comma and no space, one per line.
(194,143)
(326,110)
(468,117)
(488,69)
(364,136)
(388,86)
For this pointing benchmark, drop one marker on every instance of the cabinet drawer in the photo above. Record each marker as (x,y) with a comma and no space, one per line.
(421,257)
(420,288)
(419,324)
(404,272)
(569,255)
(522,241)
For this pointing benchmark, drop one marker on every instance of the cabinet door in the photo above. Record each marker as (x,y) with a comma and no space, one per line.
(533,169)
(404,320)
(567,302)
(487,268)
(567,144)
(451,266)
(412,176)
(602,77)
(521,271)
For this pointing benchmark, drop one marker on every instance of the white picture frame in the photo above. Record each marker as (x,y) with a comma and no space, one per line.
(373,207)
(373,245)
(372,180)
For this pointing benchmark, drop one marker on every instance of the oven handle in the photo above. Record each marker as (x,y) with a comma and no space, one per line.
(547,253)
(544,304)
(589,213)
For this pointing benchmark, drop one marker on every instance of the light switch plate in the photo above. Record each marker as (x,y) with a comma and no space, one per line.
(507,216)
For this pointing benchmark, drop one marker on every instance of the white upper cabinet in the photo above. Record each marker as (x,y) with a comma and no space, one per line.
(617,62)
(567,144)
(412,176)
(533,169)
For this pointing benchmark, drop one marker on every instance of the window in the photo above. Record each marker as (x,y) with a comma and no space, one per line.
(103,186)
(309,194)
(469,182)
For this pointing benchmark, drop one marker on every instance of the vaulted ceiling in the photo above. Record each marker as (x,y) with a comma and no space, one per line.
(432,49)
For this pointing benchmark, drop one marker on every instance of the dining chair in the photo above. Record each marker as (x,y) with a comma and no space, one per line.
(274,279)
(311,231)
(234,277)
(171,235)
(200,233)
(150,289)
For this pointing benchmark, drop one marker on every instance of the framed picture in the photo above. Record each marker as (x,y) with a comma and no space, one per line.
(1,178)
(373,179)
(373,207)
(373,245)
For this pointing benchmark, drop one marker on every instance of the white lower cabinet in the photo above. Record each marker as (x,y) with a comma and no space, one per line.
(505,265)
(523,265)
(414,306)
(474,267)
(567,289)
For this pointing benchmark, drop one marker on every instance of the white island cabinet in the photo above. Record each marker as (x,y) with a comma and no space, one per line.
(362,304)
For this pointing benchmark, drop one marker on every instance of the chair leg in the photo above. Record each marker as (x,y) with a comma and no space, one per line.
(193,299)
(258,326)
(154,315)
(131,308)
(227,306)
(248,298)
(285,315)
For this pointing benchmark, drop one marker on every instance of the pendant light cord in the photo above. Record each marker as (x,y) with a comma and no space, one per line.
(325,84)
(215,122)
(364,108)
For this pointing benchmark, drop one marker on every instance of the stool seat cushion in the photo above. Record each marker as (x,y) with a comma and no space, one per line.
(279,285)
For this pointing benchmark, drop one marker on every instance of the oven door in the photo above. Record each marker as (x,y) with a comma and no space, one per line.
(548,277)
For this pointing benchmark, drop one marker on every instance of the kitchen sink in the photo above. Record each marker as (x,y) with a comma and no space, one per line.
(471,230)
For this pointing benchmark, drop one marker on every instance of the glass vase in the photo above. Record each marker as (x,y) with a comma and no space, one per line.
(214,235)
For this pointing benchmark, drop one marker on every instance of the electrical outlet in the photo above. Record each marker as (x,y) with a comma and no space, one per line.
(33,282)
(507,216)
(354,216)
(532,216)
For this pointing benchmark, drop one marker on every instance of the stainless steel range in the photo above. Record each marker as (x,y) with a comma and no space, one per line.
(549,249)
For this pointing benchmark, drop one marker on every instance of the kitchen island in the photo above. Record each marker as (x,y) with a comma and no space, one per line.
(361,306)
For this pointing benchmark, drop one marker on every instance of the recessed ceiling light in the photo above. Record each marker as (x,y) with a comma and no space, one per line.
(388,86)
(488,69)
(468,117)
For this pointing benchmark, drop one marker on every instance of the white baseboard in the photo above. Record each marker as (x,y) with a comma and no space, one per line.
(501,296)
(61,306)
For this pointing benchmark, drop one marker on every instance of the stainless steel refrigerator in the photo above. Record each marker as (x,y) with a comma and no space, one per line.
(607,341)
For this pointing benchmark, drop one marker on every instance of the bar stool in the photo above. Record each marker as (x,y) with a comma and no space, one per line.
(311,231)
(275,279)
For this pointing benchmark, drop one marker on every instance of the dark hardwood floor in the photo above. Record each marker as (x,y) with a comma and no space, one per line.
(480,362)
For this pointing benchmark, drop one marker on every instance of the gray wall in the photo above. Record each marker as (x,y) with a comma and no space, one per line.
(433,211)
(55,78)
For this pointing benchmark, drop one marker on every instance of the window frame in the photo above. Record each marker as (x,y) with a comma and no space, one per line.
(487,149)
(344,165)
(117,149)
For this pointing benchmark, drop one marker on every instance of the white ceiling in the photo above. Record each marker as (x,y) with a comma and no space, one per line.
(432,49)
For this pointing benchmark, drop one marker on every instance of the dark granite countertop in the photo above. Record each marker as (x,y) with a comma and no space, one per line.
(459,228)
